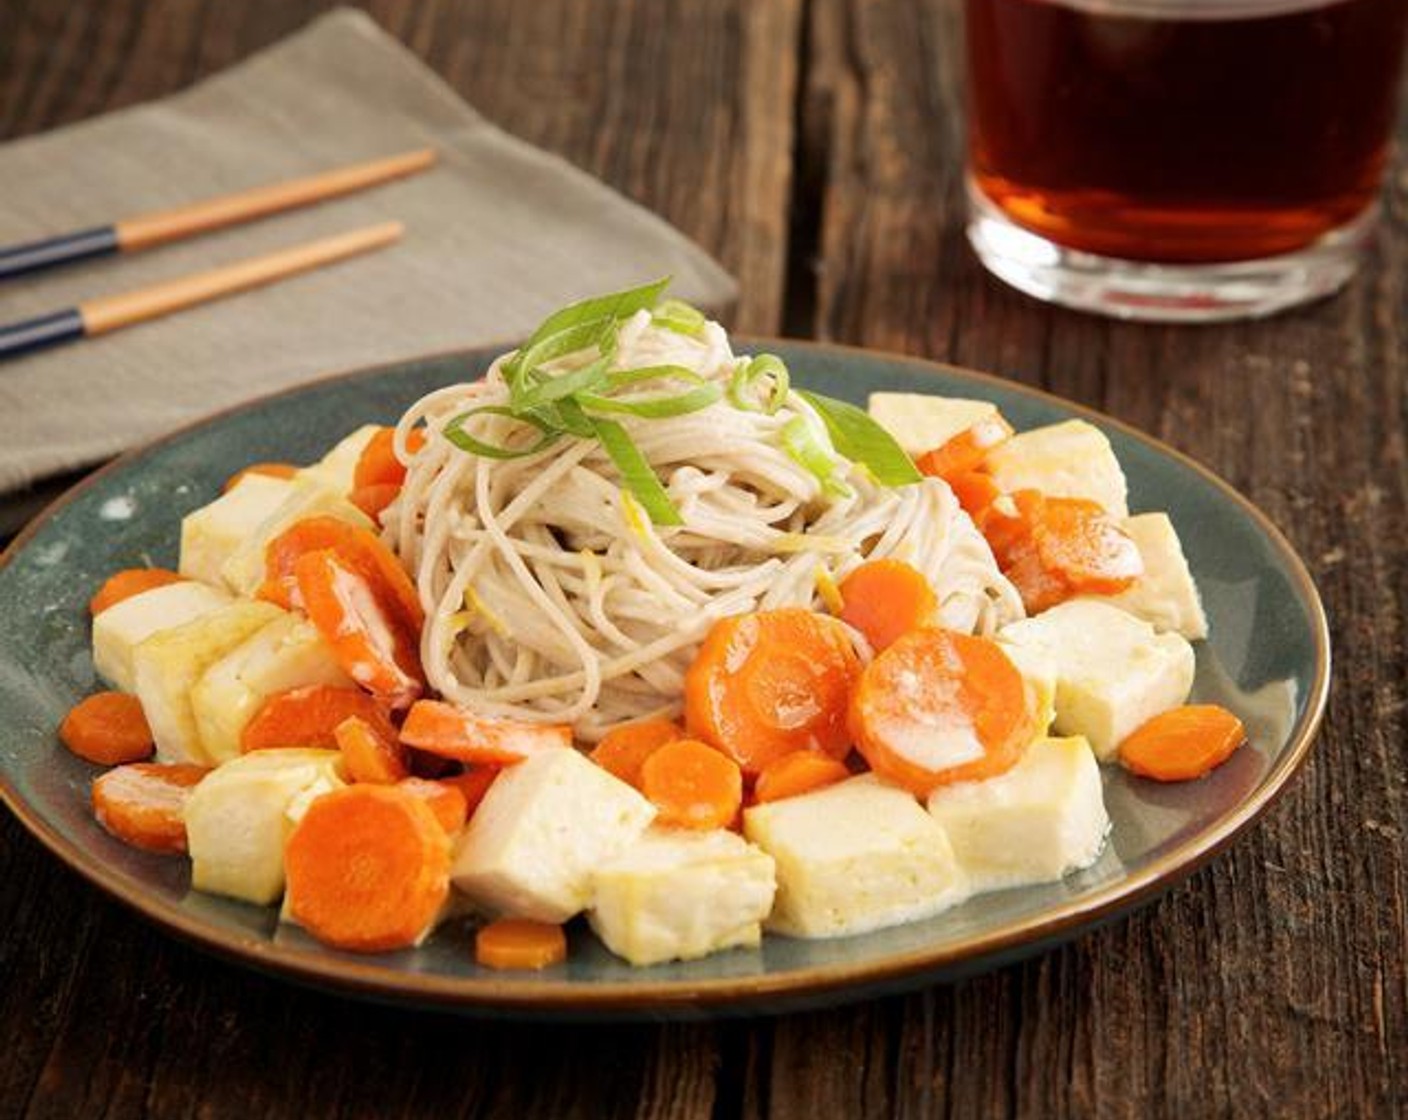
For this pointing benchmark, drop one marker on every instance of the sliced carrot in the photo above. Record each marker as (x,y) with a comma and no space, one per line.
(267,470)
(1053,549)
(144,803)
(370,750)
(518,944)
(368,868)
(474,783)
(975,492)
(939,706)
(445,799)
(371,643)
(771,682)
(886,598)
(791,775)
(108,728)
(624,749)
(454,732)
(1183,743)
(966,450)
(378,463)
(372,499)
(129,582)
(693,785)
(357,548)
(309,717)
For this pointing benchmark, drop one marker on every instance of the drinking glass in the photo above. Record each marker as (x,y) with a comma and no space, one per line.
(1186,160)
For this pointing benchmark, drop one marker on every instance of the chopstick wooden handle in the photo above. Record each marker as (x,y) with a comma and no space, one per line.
(108,313)
(145,230)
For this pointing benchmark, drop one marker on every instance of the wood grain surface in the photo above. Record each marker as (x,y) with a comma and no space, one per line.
(814,146)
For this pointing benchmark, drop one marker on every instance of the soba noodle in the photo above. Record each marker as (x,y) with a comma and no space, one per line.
(550,595)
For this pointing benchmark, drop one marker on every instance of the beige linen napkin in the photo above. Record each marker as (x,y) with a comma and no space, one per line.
(497,234)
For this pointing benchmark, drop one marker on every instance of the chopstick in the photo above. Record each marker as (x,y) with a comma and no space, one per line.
(109,313)
(160,226)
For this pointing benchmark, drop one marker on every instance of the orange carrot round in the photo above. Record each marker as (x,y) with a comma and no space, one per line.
(370,750)
(518,944)
(692,785)
(939,707)
(966,450)
(453,732)
(268,470)
(358,621)
(624,749)
(791,775)
(108,728)
(473,784)
(771,682)
(309,717)
(129,582)
(445,799)
(1183,743)
(356,548)
(374,498)
(368,868)
(975,492)
(143,804)
(886,598)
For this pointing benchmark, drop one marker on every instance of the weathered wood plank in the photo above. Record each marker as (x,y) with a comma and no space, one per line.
(1272,983)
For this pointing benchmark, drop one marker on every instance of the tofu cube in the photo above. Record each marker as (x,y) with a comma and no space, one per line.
(211,534)
(288,653)
(243,571)
(1072,459)
(543,829)
(336,471)
(1039,672)
(857,856)
(921,423)
(120,629)
(1113,671)
(240,815)
(1165,595)
(166,666)
(679,895)
(1040,820)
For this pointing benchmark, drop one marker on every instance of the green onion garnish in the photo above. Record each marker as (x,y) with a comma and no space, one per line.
(637,474)
(742,392)
(800,441)
(860,439)
(455,433)
(678,316)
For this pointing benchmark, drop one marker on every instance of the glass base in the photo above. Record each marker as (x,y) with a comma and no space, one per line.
(1170,293)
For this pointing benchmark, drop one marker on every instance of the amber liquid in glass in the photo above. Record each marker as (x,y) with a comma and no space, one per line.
(1173,138)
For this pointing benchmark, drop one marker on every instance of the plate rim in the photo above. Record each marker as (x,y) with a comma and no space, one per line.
(743,993)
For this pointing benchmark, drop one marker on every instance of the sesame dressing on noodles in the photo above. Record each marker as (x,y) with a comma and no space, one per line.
(550,593)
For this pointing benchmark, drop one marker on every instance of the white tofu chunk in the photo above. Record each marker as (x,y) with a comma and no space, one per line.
(920,422)
(542,830)
(167,665)
(1165,595)
(1034,824)
(1113,671)
(856,856)
(1039,672)
(239,817)
(244,570)
(1072,459)
(288,653)
(210,535)
(677,895)
(337,469)
(120,629)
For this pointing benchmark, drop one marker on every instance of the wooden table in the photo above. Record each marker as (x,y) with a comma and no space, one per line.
(814,146)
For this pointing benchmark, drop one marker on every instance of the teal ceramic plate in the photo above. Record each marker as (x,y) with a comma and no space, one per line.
(1267,660)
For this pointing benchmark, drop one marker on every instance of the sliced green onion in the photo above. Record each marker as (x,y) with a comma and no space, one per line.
(801,443)
(568,416)
(860,439)
(565,385)
(455,433)
(653,408)
(678,316)
(637,475)
(741,387)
